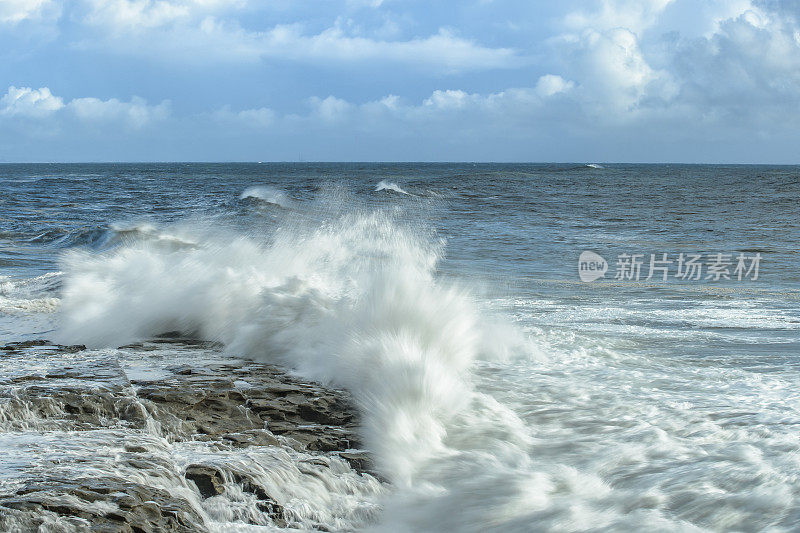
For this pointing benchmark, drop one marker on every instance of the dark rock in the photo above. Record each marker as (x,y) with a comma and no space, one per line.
(266,503)
(209,480)
(207,403)
(140,508)
(26,344)
(253,437)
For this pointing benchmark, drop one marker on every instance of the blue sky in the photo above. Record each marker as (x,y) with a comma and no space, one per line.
(338,80)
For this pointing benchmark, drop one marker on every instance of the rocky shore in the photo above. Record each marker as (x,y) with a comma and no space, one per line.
(171,435)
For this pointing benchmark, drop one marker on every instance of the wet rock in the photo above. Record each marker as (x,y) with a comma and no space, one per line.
(233,404)
(358,460)
(25,344)
(254,437)
(209,480)
(106,505)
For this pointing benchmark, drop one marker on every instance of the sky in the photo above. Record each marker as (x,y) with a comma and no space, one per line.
(692,81)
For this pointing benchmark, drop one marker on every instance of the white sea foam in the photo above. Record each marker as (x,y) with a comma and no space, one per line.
(355,303)
(583,438)
(266,194)
(175,238)
(31,295)
(384,185)
(594,165)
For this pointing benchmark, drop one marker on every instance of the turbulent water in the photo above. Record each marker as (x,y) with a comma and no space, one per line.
(498,391)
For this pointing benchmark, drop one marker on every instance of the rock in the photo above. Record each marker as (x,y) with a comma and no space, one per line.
(25,344)
(253,437)
(136,508)
(91,394)
(359,461)
(266,503)
(209,480)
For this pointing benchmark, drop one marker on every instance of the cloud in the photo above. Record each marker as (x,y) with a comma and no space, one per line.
(612,71)
(142,15)
(330,109)
(30,103)
(664,70)
(202,31)
(135,114)
(16,11)
(261,117)
(444,50)
(550,84)
(738,64)
(25,102)
(748,72)
(632,15)
(441,106)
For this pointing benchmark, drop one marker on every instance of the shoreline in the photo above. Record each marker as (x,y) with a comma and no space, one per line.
(131,415)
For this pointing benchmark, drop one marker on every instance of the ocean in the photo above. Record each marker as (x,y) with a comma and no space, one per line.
(531,347)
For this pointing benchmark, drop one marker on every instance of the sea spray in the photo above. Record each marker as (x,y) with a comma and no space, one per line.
(390,186)
(354,302)
(266,194)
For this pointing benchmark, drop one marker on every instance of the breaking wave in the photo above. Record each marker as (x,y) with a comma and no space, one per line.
(384,185)
(32,295)
(269,195)
(355,303)
(104,237)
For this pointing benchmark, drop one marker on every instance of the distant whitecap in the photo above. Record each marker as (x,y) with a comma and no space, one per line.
(266,194)
(384,185)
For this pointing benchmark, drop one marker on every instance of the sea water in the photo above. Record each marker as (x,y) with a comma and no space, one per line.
(498,391)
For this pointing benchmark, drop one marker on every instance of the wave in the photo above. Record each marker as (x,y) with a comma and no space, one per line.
(31,295)
(353,302)
(384,185)
(103,237)
(177,238)
(594,165)
(269,195)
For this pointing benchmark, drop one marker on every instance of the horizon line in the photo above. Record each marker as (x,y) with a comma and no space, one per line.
(243,162)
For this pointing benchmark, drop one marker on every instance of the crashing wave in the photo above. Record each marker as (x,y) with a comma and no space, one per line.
(265,194)
(149,232)
(31,295)
(384,185)
(354,302)
(105,237)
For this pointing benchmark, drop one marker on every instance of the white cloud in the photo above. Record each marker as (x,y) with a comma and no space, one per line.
(256,118)
(365,3)
(331,108)
(749,68)
(136,114)
(613,72)
(27,102)
(632,15)
(444,49)
(15,11)
(451,99)
(196,30)
(601,65)
(550,85)
(441,105)
(141,15)
(736,67)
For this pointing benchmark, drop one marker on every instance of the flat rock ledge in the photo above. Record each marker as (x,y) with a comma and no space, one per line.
(231,404)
